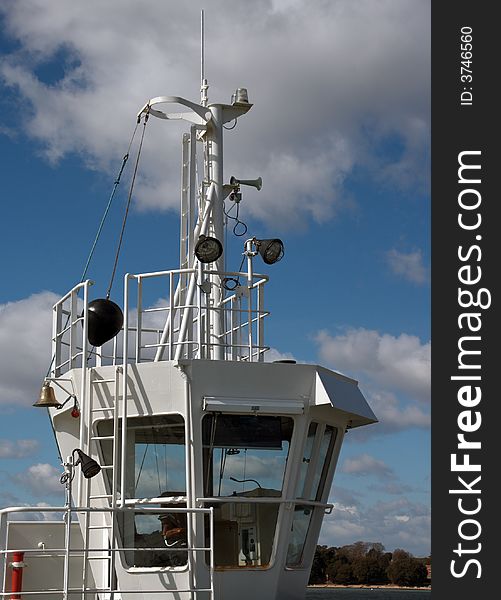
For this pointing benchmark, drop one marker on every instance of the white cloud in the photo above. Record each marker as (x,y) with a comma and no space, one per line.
(273,355)
(330,81)
(41,479)
(17,448)
(396,524)
(397,363)
(364,464)
(25,334)
(35,515)
(394,417)
(394,373)
(410,266)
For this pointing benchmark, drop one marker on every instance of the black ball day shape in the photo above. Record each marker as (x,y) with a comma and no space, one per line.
(105,321)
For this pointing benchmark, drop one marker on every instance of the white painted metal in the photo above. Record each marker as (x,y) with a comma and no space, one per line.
(204,362)
(55,553)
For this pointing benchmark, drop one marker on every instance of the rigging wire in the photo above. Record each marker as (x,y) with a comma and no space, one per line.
(119,247)
(112,195)
(101,225)
(94,244)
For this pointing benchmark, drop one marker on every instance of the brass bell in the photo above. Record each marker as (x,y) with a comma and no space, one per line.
(47,397)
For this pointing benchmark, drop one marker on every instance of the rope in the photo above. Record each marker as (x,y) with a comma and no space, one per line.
(119,247)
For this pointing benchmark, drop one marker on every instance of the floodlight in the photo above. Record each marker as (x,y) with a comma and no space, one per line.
(208,249)
(271,251)
(89,466)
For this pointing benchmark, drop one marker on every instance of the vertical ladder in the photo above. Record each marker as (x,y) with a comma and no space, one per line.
(107,522)
(187,241)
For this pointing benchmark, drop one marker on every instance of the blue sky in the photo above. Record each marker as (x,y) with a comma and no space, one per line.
(340,134)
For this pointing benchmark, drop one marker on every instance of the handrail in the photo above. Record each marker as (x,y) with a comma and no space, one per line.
(264,500)
(109,549)
(187,332)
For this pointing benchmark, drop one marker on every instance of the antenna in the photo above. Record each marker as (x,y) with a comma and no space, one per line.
(204,86)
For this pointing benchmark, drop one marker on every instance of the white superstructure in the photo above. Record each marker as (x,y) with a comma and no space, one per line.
(216,465)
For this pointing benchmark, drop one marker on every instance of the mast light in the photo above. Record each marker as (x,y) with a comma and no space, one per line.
(271,251)
(208,249)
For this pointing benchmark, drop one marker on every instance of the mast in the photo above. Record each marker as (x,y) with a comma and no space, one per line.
(204,86)
(207,126)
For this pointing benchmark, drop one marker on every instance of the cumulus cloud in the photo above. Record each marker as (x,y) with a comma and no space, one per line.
(40,479)
(273,355)
(397,363)
(408,265)
(81,85)
(364,464)
(25,333)
(397,523)
(394,373)
(35,515)
(395,417)
(17,448)
(392,488)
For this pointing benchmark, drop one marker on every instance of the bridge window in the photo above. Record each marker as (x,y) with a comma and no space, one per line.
(315,465)
(245,456)
(155,467)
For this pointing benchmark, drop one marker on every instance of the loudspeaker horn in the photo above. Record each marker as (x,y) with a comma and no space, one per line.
(257,183)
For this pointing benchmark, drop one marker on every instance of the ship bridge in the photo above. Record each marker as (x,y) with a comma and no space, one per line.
(193,468)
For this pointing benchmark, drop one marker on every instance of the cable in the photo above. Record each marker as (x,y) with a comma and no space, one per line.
(101,225)
(235,280)
(235,218)
(89,258)
(112,195)
(119,247)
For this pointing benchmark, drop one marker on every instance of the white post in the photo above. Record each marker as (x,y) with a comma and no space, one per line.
(123,460)
(68,472)
(215,138)
(250,277)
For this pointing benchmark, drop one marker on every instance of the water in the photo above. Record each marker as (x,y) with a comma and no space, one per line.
(366,594)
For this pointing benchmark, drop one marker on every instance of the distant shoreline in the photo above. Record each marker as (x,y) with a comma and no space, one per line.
(359,586)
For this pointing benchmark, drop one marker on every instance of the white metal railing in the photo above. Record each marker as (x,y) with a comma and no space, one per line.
(191,314)
(191,320)
(69,330)
(112,546)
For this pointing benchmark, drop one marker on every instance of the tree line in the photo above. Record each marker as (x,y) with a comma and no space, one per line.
(367,563)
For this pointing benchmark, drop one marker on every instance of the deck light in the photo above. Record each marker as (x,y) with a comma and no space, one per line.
(208,249)
(89,466)
(271,251)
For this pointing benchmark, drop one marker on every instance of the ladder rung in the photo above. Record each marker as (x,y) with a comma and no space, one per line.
(106,466)
(103,381)
(102,437)
(99,527)
(100,496)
